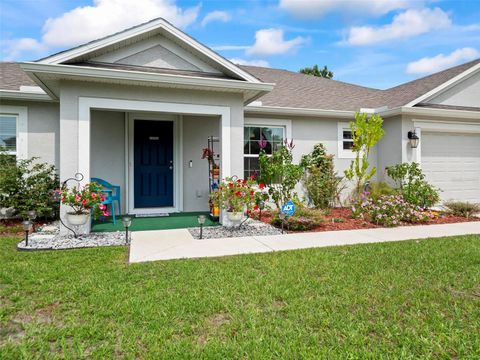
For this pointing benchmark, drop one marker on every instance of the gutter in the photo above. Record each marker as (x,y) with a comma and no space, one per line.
(138,76)
(24,95)
(278,110)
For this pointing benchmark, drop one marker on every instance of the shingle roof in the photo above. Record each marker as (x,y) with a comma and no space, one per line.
(298,90)
(405,93)
(12,77)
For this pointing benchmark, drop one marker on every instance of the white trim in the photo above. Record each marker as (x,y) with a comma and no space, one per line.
(444,126)
(85,104)
(154,25)
(445,86)
(144,78)
(278,110)
(177,163)
(21,112)
(24,95)
(342,153)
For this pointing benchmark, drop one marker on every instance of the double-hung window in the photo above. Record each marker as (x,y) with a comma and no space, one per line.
(257,137)
(8,133)
(345,141)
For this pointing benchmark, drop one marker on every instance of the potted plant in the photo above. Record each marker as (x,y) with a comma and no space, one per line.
(235,196)
(84,201)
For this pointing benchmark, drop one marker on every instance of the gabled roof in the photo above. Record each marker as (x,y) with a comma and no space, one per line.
(406,93)
(83,52)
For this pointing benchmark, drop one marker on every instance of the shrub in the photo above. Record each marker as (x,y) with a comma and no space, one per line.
(304,219)
(278,172)
(412,184)
(378,189)
(27,185)
(366,132)
(462,208)
(321,181)
(389,210)
(85,200)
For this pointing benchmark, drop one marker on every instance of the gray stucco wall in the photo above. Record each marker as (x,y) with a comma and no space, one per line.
(466,93)
(196,130)
(389,148)
(107,129)
(43,130)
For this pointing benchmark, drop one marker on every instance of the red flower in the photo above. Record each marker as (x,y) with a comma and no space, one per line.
(94,195)
(84,201)
(261,186)
(102,198)
(244,182)
(252,177)
(252,193)
(230,185)
(256,207)
(238,193)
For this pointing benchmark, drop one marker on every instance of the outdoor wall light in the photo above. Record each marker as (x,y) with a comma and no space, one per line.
(126,222)
(201,220)
(261,206)
(26,227)
(282,217)
(413,139)
(32,215)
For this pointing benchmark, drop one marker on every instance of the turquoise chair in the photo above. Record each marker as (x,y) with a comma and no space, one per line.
(112,194)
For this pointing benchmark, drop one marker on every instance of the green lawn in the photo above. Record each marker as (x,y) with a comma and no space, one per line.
(393,300)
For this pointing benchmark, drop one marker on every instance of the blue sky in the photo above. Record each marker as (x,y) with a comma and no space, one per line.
(376,43)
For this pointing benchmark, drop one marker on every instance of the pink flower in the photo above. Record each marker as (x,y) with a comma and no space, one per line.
(78,198)
(102,207)
(105,213)
(94,196)
(84,201)
(102,198)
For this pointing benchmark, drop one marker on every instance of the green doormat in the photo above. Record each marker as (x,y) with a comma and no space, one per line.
(174,221)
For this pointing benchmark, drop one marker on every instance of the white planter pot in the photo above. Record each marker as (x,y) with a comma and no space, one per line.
(77,219)
(234,218)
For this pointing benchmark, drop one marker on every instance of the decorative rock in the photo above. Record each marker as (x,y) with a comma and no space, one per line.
(249,228)
(57,242)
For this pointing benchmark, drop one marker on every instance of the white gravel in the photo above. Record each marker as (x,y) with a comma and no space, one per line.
(249,228)
(47,237)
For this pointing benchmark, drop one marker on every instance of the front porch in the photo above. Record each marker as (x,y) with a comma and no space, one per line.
(172,221)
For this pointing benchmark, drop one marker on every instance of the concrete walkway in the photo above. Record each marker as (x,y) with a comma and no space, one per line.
(179,244)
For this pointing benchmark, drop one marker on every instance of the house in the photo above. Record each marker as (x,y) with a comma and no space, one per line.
(136,108)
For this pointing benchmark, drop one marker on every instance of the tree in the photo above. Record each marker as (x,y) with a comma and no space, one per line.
(366,132)
(315,71)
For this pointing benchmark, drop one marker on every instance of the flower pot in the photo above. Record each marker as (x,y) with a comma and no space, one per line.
(235,218)
(77,219)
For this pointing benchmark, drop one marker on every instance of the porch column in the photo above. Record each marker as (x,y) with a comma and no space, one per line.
(74,148)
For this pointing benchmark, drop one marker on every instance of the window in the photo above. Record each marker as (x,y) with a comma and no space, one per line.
(8,133)
(345,141)
(270,137)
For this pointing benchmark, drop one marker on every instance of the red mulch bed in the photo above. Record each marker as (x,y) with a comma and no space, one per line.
(341,219)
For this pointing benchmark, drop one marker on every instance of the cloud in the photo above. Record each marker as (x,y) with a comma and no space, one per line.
(261,63)
(271,42)
(12,49)
(216,16)
(317,8)
(429,65)
(105,17)
(405,25)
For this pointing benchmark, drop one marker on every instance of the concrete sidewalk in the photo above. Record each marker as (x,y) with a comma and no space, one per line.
(179,244)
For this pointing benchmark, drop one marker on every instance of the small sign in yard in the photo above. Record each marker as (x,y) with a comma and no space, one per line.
(288,208)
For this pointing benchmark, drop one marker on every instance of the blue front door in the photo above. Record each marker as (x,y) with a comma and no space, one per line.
(153,163)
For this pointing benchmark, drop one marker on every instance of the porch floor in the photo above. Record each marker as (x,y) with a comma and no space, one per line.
(173,221)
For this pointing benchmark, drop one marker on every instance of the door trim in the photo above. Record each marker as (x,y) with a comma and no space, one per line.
(177,163)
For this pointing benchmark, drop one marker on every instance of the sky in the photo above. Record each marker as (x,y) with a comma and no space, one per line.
(374,43)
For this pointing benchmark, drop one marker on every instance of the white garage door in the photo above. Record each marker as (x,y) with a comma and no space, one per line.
(451,162)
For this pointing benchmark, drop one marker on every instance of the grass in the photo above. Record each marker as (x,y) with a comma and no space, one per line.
(393,300)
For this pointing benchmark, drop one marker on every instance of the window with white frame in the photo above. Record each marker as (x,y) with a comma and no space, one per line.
(8,133)
(257,137)
(345,141)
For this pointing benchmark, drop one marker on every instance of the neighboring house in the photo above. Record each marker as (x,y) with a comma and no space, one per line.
(136,108)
